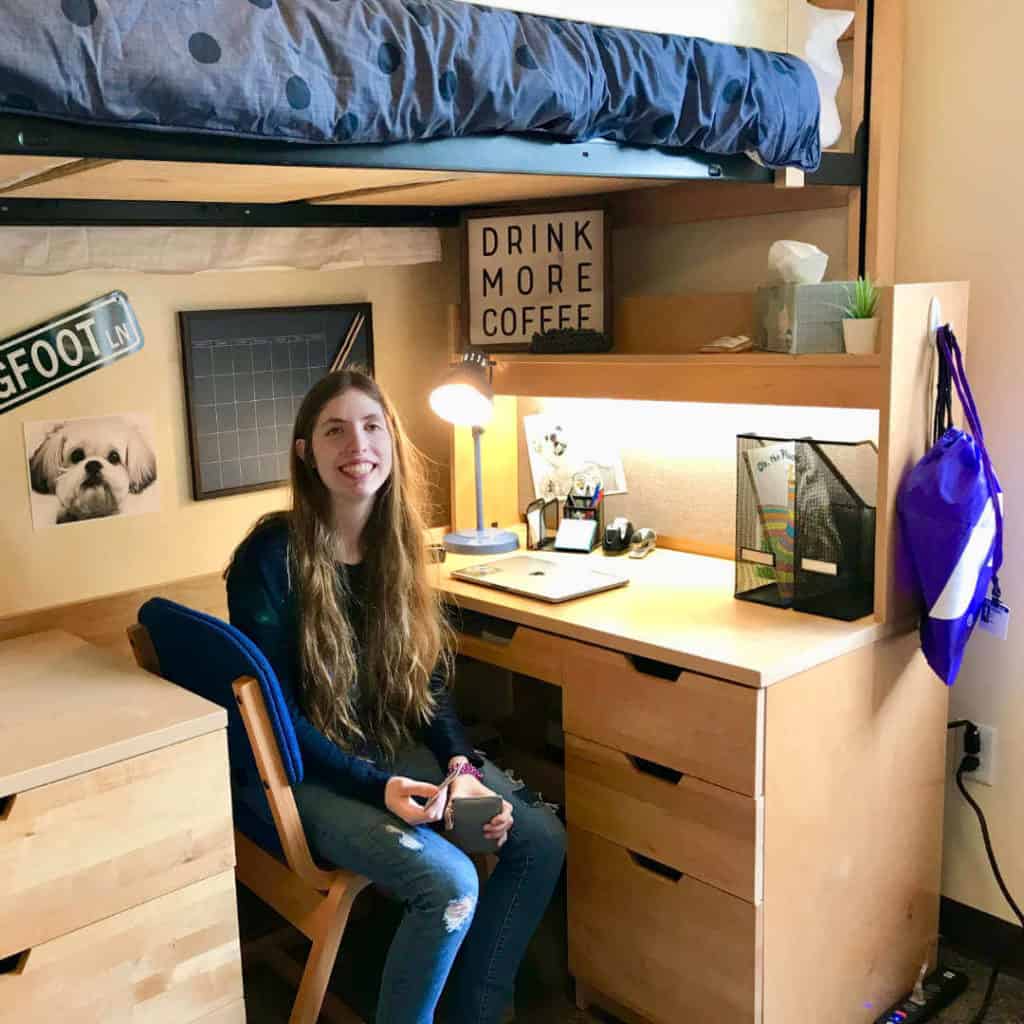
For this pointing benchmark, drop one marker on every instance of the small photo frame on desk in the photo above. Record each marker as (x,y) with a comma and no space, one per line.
(579,535)
(541,523)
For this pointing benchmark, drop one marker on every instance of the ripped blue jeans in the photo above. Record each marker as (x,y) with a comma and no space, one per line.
(444,906)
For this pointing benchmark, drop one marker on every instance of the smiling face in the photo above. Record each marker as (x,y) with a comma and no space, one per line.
(352,446)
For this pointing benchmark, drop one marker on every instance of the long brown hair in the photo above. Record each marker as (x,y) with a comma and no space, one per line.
(406,636)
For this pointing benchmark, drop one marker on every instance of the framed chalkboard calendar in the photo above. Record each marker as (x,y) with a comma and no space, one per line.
(246,372)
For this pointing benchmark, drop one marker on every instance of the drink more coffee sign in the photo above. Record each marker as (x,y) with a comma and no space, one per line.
(72,344)
(529,274)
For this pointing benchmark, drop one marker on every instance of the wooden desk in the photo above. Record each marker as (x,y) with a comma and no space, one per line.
(117,897)
(754,796)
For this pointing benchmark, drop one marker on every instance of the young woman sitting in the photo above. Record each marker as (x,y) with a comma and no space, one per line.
(336,595)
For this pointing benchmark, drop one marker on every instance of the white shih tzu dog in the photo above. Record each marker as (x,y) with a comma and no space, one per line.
(92,465)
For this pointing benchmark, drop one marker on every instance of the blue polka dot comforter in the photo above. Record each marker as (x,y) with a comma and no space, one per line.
(373,71)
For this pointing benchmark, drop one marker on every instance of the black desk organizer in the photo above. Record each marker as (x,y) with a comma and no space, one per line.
(805,524)
(575,507)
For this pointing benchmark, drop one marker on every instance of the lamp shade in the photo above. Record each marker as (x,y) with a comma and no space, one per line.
(464,395)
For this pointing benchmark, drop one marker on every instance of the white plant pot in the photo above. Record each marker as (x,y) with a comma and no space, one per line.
(859,336)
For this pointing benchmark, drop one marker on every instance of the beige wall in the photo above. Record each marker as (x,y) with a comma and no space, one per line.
(720,255)
(679,458)
(187,538)
(961,215)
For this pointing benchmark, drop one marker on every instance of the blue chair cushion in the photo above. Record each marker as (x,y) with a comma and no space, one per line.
(206,655)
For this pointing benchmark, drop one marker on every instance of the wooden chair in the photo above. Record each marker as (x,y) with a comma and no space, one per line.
(205,655)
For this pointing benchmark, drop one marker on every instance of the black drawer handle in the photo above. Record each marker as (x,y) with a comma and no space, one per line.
(15,963)
(498,639)
(655,770)
(653,667)
(6,805)
(481,625)
(655,866)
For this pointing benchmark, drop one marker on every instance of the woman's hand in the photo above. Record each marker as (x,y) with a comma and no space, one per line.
(469,786)
(398,798)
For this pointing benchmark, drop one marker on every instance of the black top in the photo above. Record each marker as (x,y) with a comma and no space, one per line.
(263,605)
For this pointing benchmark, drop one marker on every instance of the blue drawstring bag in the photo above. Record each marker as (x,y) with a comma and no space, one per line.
(951,516)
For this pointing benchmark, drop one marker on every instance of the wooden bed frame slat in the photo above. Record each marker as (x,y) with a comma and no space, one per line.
(171,181)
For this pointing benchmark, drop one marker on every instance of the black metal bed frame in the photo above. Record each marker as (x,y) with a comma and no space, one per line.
(505,154)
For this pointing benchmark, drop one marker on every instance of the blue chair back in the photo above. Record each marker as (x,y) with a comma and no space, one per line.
(206,655)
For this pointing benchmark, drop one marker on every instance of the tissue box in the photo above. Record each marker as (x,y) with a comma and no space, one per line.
(799,318)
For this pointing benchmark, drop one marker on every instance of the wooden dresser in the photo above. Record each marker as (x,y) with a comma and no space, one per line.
(754,797)
(117,894)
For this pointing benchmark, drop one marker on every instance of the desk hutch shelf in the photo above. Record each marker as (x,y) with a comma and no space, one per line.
(655,359)
(840,381)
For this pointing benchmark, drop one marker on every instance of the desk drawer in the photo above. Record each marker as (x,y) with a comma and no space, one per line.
(693,723)
(669,950)
(86,847)
(700,829)
(170,960)
(519,648)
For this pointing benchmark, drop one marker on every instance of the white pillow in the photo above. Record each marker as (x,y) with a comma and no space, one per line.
(821,51)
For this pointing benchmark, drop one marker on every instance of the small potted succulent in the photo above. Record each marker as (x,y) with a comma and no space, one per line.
(860,325)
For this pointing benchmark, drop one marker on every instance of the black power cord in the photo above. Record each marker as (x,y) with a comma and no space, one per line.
(969,763)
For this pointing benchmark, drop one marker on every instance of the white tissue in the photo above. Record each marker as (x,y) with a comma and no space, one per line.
(821,51)
(797,262)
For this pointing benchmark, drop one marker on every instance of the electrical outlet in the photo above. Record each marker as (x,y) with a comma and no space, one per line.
(985,773)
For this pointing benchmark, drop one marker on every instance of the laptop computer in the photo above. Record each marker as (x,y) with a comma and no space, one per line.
(543,578)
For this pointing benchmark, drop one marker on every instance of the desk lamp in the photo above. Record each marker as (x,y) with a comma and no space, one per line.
(465,398)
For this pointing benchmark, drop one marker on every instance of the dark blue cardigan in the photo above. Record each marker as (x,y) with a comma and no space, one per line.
(262,605)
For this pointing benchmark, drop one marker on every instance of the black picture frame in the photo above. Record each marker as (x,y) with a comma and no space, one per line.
(241,399)
(528,209)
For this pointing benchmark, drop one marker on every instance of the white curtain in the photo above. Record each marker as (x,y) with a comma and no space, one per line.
(157,250)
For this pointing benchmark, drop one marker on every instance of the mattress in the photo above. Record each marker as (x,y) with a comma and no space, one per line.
(795,26)
(378,71)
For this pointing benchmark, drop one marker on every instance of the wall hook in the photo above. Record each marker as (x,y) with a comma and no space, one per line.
(934,316)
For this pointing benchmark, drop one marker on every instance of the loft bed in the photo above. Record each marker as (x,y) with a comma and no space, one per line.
(62,163)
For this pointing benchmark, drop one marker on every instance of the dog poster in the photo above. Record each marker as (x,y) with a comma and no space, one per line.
(565,451)
(91,468)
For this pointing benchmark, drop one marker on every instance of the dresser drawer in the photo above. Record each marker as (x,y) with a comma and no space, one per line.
(518,648)
(698,828)
(693,723)
(669,949)
(170,960)
(86,847)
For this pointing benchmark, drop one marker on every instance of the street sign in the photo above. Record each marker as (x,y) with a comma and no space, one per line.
(54,353)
